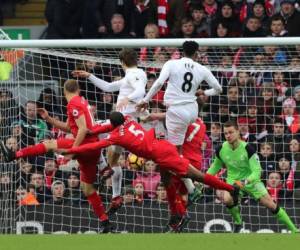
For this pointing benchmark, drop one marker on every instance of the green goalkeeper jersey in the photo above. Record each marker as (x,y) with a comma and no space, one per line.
(242,163)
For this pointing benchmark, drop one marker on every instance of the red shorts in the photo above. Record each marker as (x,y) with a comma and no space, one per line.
(87,161)
(179,184)
(166,156)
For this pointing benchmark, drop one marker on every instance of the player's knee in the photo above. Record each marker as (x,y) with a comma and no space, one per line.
(87,189)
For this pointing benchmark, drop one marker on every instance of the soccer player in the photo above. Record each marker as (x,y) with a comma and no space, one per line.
(243,168)
(176,190)
(78,123)
(130,135)
(184,78)
(131,91)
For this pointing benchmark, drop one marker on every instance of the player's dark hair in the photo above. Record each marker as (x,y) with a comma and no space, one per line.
(116,118)
(71,85)
(231,123)
(128,57)
(190,48)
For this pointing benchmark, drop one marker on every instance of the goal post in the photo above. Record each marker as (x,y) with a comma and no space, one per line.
(261,91)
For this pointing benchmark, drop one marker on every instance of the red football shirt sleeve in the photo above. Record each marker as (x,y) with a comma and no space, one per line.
(102,128)
(76,111)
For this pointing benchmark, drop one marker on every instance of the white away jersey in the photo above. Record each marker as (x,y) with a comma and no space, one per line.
(131,86)
(184,78)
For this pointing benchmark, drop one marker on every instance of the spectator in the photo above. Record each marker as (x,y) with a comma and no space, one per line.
(58,192)
(51,171)
(117,28)
(229,19)
(255,122)
(296,94)
(253,28)
(144,12)
(280,84)
(200,22)
(235,102)
(128,196)
(267,159)
(26,197)
(25,170)
(287,173)
(150,178)
(187,28)
(245,133)
(291,17)
(279,137)
(216,135)
(48,100)
(211,9)
(8,107)
(105,106)
(64,19)
(138,192)
(161,194)
(170,13)
(207,152)
(221,29)
(12,143)
(37,181)
(275,55)
(34,128)
(259,11)
(290,115)
(97,15)
(277,27)
(294,149)
(274,185)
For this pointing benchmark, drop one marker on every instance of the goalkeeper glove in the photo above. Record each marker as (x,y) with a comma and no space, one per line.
(241,183)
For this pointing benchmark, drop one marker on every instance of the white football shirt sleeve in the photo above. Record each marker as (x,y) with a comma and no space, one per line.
(163,76)
(104,85)
(216,88)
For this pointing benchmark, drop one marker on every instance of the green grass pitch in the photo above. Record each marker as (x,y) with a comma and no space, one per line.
(151,241)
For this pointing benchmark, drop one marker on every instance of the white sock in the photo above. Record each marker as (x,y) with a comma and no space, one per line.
(189,185)
(117,181)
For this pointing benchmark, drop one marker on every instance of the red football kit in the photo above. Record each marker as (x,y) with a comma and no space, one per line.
(88,161)
(132,136)
(191,148)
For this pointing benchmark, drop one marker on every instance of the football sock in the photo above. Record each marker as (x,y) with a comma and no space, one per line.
(171,196)
(34,150)
(95,201)
(215,183)
(117,181)
(189,185)
(235,213)
(282,217)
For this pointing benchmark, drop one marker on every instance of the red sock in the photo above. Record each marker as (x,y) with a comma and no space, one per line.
(180,205)
(216,183)
(34,150)
(95,201)
(171,196)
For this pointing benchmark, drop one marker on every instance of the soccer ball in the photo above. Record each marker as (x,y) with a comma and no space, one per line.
(135,162)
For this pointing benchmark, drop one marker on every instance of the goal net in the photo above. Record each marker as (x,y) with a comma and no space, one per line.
(261,91)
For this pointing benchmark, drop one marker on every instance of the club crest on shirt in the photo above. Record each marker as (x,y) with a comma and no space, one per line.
(75,112)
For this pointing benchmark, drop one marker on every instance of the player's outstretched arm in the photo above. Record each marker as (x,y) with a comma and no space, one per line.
(51,120)
(216,88)
(102,128)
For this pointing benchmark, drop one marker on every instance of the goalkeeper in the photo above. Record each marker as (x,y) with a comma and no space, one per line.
(243,169)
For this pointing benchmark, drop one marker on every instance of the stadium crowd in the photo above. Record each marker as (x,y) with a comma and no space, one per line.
(265,104)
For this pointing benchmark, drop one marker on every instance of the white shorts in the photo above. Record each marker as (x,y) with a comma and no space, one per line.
(178,118)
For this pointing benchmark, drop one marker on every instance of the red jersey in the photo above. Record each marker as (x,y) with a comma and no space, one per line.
(76,107)
(191,148)
(137,140)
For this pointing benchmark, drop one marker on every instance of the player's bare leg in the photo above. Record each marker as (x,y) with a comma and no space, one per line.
(234,210)
(279,212)
(113,155)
